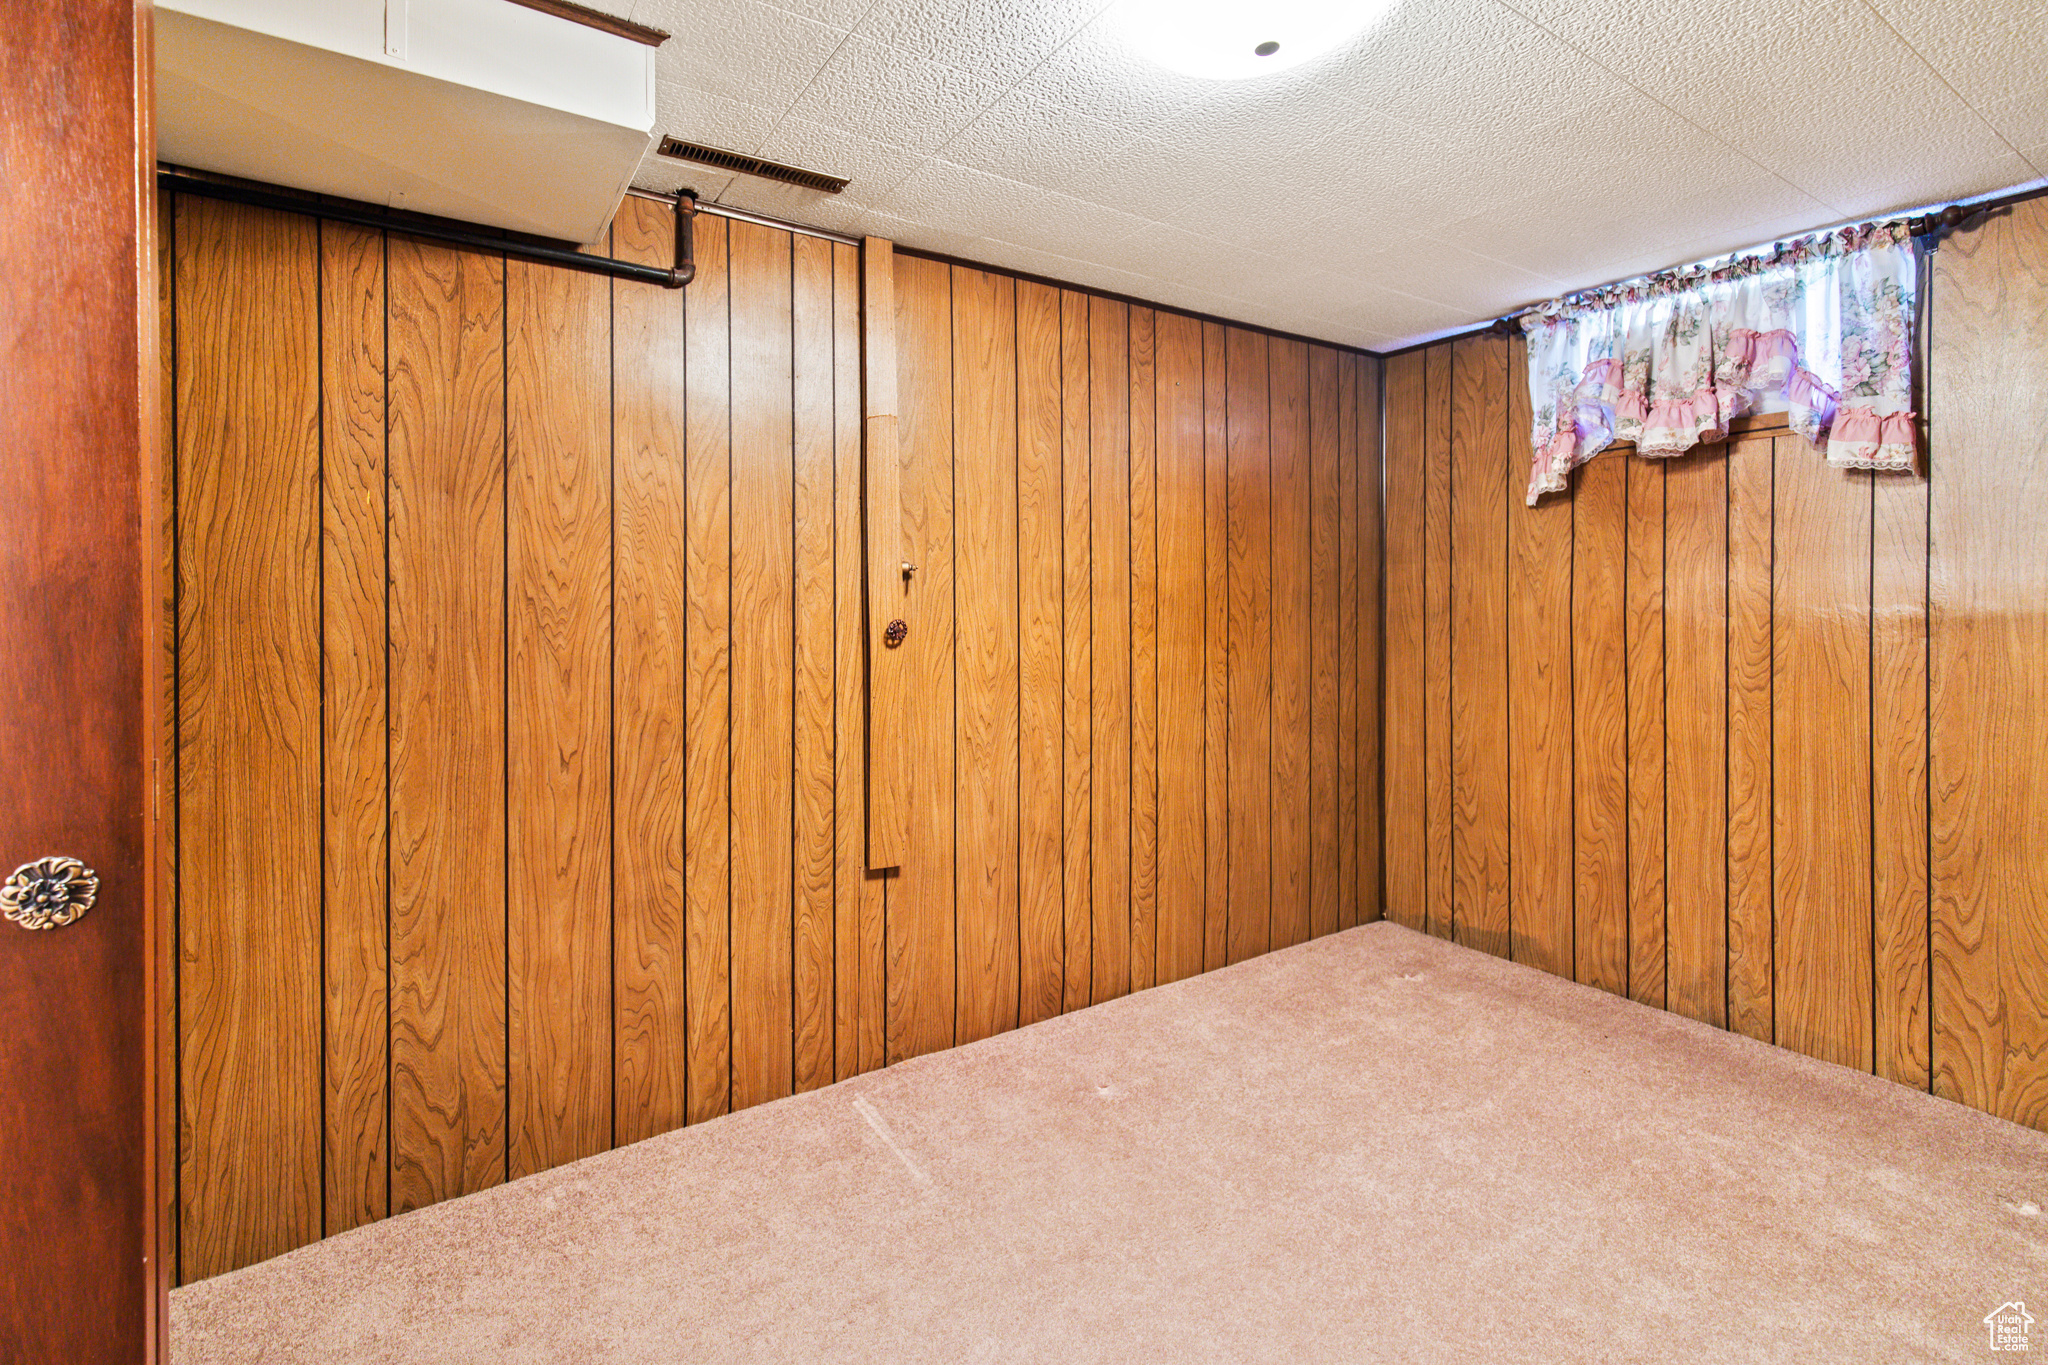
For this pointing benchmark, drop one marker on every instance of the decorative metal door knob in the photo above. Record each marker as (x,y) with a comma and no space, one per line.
(49,893)
(893,634)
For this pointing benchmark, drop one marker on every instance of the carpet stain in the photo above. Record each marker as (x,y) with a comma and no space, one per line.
(874,1121)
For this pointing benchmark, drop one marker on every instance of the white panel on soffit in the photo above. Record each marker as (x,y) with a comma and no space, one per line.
(480,110)
(1462,159)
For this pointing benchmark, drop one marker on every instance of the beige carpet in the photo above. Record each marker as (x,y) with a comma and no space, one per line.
(1375,1147)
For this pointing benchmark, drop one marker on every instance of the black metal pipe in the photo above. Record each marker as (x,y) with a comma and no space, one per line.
(453,233)
(686,240)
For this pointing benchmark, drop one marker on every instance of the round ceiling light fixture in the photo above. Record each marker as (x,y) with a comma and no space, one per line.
(1235,40)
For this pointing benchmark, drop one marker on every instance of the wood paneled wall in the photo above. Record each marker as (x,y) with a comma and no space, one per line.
(519,704)
(518,775)
(1146,726)
(1988,664)
(1738,735)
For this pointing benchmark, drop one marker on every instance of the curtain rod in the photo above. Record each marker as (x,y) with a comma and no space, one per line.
(454,233)
(1932,226)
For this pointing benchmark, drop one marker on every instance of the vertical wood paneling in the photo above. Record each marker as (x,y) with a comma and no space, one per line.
(1041,617)
(447,660)
(1290,551)
(649,671)
(812,914)
(1898,775)
(1109,502)
(891,593)
(707,689)
(1250,495)
(1696,732)
(1795,714)
(921,941)
(1600,806)
(1750,808)
(1820,664)
(763,657)
(558,720)
(1479,644)
(624,650)
(1216,628)
(160,719)
(985,475)
(249,735)
(858,896)
(1077,700)
(1436,643)
(1353,665)
(1362,578)
(352,584)
(1183,668)
(1406,706)
(1988,633)
(1644,547)
(1330,873)
(1144,650)
(1540,716)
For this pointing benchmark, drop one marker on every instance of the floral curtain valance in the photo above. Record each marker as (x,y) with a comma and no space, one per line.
(1820,329)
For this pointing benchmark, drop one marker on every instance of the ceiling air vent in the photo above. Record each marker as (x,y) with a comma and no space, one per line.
(743,164)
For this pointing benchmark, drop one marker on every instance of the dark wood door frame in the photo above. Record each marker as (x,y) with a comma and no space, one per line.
(83,1063)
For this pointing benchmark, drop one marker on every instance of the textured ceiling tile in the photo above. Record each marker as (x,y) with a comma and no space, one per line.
(891,96)
(2023,122)
(692,21)
(1150,180)
(1031,138)
(1337,246)
(742,49)
(1253,121)
(1471,285)
(1922,175)
(663,176)
(716,120)
(1296,286)
(873,168)
(1054,266)
(1383,187)
(1096,73)
(838,13)
(1838,97)
(1709,248)
(920,236)
(990,206)
(1170,253)
(794,204)
(1003,37)
(1570,243)
(1461,158)
(1460,68)
(1993,55)
(1189,298)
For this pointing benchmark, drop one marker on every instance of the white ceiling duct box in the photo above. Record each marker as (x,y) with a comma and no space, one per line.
(501,112)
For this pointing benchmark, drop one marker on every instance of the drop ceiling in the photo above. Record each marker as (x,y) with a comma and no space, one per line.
(1459,160)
